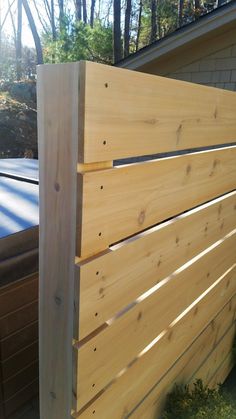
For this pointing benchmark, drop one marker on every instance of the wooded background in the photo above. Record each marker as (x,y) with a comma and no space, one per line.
(99,30)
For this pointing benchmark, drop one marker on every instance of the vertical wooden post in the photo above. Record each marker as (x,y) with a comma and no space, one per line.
(58,129)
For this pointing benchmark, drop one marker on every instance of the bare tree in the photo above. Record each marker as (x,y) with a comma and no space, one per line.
(61,12)
(180,12)
(128,7)
(40,17)
(117,30)
(53,25)
(19,40)
(197,8)
(220,2)
(78,9)
(3,21)
(92,13)
(12,23)
(47,8)
(34,31)
(84,11)
(139,23)
(153,36)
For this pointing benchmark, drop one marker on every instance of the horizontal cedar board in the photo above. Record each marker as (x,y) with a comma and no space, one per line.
(18,319)
(105,355)
(19,340)
(21,397)
(20,360)
(223,371)
(110,282)
(17,294)
(21,379)
(122,201)
(1,411)
(187,365)
(213,362)
(139,114)
(19,266)
(127,391)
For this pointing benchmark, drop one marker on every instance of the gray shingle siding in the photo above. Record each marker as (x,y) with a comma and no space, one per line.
(217,70)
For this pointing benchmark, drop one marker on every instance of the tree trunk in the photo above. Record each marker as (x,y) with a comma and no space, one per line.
(139,24)
(13,25)
(19,41)
(54,34)
(153,20)
(127,27)
(220,2)
(78,9)
(197,8)
(116,31)
(0,40)
(61,13)
(180,12)
(84,11)
(92,13)
(34,31)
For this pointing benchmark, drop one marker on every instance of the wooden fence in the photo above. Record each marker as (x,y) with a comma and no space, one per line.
(137,261)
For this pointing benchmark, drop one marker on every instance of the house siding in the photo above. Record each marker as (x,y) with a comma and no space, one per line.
(217,69)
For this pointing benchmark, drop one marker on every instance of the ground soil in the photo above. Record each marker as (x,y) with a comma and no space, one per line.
(18,123)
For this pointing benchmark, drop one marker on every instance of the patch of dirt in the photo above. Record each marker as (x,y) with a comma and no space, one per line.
(18,128)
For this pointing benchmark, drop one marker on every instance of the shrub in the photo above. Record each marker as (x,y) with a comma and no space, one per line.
(200,402)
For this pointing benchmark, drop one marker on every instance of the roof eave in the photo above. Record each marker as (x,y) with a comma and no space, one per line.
(181,38)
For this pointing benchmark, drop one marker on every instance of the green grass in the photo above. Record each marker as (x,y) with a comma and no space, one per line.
(199,402)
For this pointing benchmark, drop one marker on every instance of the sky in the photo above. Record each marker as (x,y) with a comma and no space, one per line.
(27,38)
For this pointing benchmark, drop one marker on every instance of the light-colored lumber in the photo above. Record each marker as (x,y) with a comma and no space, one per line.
(223,371)
(187,365)
(60,128)
(129,113)
(106,354)
(110,282)
(127,391)
(210,366)
(122,201)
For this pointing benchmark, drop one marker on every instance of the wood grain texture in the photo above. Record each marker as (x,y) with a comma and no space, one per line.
(122,201)
(21,397)
(58,122)
(19,319)
(223,371)
(210,366)
(20,360)
(110,282)
(10,345)
(128,390)
(16,295)
(189,363)
(100,361)
(129,113)
(17,267)
(20,380)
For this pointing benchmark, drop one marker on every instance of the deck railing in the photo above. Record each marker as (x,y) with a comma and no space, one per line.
(137,261)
